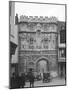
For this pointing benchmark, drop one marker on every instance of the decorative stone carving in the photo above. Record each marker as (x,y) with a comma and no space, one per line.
(38,19)
(37,36)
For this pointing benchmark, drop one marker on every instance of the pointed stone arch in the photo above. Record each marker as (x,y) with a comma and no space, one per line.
(42,59)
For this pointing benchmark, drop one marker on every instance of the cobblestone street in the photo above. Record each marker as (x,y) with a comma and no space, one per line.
(56,81)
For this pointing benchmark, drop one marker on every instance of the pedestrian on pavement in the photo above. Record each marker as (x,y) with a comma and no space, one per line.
(19,80)
(31,78)
(22,80)
(12,81)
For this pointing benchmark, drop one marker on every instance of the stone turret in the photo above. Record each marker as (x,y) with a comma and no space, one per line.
(38,19)
(16,19)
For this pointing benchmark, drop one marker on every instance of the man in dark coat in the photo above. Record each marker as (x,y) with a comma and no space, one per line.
(31,79)
(18,81)
(22,80)
(12,81)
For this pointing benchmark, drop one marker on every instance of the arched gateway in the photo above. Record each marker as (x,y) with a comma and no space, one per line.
(42,65)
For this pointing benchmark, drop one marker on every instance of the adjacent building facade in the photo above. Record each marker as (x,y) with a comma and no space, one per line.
(13,39)
(62,49)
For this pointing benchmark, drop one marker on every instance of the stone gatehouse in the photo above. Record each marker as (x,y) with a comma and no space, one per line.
(38,40)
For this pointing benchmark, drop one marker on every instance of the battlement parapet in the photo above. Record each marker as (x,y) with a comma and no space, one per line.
(38,19)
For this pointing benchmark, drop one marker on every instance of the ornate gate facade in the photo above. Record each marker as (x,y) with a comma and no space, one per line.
(37,39)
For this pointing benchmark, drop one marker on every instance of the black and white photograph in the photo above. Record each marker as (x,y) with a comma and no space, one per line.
(37,44)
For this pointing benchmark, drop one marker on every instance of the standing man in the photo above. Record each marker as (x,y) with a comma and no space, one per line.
(31,78)
(23,80)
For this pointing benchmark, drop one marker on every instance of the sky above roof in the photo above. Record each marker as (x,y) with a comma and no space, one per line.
(33,9)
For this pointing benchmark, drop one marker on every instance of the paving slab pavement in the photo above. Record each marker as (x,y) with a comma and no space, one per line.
(55,81)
